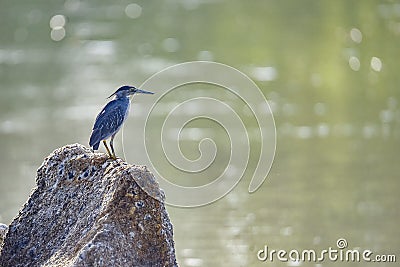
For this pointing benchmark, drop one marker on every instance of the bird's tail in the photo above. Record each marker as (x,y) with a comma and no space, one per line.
(94,140)
(96,146)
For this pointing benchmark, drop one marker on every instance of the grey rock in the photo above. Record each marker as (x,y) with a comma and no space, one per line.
(3,231)
(88,210)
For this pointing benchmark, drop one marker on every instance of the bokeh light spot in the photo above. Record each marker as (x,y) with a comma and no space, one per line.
(133,11)
(354,63)
(57,21)
(57,34)
(356,35)
(376,64)
(171,45)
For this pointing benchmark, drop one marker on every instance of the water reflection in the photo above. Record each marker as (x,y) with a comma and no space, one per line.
(328,69)
(264,74)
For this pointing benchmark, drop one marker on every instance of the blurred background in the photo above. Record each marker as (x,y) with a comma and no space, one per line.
(329,69)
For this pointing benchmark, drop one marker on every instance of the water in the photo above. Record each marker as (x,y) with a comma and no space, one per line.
(328,69)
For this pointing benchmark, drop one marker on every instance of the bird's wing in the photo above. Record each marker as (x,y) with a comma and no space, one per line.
(107,109)
(108,122)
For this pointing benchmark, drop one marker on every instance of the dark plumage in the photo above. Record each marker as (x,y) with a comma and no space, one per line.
(109,121)
(111,117)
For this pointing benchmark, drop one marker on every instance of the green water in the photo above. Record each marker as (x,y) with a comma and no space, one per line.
(328,68)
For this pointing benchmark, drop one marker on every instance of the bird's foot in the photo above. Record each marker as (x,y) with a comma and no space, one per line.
(112,156)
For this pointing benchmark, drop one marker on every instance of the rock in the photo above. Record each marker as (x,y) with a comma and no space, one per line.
(88,210)
(3,231)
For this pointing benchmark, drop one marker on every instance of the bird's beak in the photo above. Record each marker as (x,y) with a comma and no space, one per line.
(141,91)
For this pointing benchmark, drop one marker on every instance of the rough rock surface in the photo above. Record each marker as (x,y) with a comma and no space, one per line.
(3,231)
(88,210)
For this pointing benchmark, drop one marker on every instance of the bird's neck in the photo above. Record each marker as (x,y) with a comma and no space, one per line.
(122,98)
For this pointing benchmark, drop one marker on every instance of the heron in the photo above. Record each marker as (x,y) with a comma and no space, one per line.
(110,119)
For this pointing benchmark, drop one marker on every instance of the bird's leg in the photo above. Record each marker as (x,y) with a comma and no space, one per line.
(112,146)
(108,150)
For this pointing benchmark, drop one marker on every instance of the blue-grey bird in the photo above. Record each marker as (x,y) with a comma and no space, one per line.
(111,117)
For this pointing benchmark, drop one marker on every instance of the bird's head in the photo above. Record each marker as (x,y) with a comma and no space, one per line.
(127,90)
